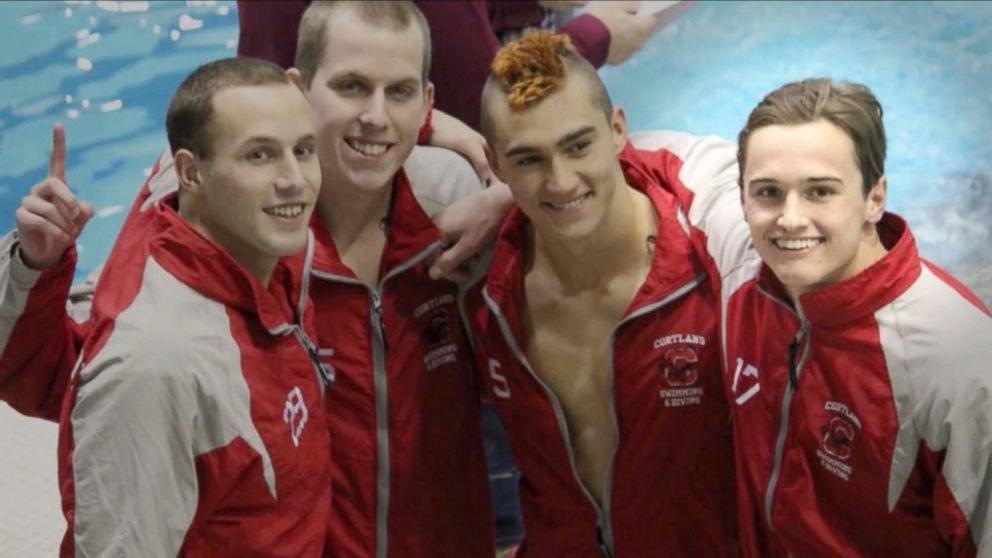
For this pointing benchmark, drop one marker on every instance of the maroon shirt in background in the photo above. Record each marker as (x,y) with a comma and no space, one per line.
(267,30)
(463,42)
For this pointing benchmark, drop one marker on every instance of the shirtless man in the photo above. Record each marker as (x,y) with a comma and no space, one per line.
(596,327)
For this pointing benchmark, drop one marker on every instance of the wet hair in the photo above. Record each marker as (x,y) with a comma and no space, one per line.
(534,66)
(394,16)
(852,107)
(188,118)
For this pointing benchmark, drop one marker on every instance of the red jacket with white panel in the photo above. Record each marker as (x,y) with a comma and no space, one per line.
(194,425)
(670,486)
(861,413)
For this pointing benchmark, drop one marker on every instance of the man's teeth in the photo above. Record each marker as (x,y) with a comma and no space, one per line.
(797,243)
(289,211)
(569,205)
(368,149)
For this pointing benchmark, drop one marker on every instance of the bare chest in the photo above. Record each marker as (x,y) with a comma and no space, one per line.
(569,346)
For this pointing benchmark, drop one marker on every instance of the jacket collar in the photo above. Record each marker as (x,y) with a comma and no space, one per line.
(206,268)
(674,264)
(409,231)
(853,298)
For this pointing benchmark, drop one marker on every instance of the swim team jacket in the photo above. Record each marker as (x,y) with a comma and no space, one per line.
(861,413)
(670,486)
(409,468)
(408,463)
(195,424)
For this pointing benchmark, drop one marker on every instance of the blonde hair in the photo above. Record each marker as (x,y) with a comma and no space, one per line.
(394,16)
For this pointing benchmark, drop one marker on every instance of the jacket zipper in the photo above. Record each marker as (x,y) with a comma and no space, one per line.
(800,342)
(381,386)
(604,528)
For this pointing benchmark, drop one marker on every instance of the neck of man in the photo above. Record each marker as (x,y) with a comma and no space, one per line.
(349,212)
(258,266)
(622,244)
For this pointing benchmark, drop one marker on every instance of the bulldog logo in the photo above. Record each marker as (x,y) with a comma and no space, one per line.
(679,366)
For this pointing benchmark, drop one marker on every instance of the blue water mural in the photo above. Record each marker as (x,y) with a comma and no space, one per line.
(929,63)
(106,70)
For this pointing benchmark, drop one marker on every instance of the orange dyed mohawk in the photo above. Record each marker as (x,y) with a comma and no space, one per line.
(532,67)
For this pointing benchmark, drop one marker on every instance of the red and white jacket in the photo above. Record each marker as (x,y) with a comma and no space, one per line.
(861,413)
(408,464)
(194,426)
(409,468)
(670,489)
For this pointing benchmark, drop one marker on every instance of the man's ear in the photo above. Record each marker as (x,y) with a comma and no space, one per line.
(297,78)
(740,188)
(618,125)
(876,201)
(188,171)
(491,159)
(428,100)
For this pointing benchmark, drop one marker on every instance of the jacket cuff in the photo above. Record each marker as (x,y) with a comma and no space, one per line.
(25,277)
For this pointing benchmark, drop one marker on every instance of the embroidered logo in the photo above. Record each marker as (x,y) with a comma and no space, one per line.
(436,319)
(837,435)
(295,414)
(679,367)
(438,326)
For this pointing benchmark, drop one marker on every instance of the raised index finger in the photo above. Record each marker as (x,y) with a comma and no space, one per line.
(56,165)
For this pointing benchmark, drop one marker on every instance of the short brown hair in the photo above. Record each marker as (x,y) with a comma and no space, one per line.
(532,67)
(188,117)
(852,107)
(395,15)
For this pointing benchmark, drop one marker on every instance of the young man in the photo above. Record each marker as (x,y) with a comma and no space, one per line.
(596,329)
(857,370)
(409,471)
(194,424)
(408,468)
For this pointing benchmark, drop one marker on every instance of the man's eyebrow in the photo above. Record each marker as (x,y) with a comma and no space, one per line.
(824,179)
(572,136)
(356,75)
(564,140)
(258,139)
(808,180)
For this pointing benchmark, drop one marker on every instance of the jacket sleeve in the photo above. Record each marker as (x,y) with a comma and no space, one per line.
(44,319)
(962,494)
(439,177)
(133,486)
(39,342)
(937,345)
(702,173)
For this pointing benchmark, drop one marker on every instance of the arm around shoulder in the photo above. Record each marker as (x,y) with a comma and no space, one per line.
(702,172)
